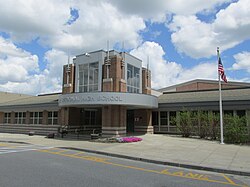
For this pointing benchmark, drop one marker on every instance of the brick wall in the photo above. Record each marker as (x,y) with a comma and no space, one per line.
(68,88)
(115,82)
(1,117)
(205,86)
(146,81)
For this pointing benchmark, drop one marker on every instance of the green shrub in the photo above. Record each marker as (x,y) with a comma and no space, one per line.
(203,125)
(235,129)
(214,124)
(185,123)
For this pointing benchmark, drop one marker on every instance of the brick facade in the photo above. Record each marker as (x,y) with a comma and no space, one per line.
(68,73)
(113,117)
(205,86)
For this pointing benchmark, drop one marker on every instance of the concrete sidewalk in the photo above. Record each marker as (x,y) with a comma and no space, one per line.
(162,149)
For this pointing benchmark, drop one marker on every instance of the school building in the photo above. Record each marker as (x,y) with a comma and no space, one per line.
(110,92)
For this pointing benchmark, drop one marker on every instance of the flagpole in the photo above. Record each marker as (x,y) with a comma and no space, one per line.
(221,115)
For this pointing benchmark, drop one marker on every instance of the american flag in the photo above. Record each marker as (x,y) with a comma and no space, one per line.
(221,71)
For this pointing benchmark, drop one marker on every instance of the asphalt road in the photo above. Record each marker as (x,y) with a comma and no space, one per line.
(33,165)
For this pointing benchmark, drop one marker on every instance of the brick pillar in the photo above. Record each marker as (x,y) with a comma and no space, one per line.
(146,81)
(114,120)
(114,117)
(27,120)
(68,79)
(45,118)
(12,118)
(64,116)
(143,121)
(59,118)
(115,81)
(1,117)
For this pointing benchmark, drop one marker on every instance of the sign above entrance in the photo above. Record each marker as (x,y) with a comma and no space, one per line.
(108,98)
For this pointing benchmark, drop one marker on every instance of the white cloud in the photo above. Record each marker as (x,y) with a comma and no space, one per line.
(20,71)
(166,73)
(199,39)
(116,21)
(28,19)
(101,22)
(46,20)
(15,63)
(157,10)
(242,61)
(193,37)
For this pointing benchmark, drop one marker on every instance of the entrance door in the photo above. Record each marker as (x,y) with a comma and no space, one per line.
(130,120)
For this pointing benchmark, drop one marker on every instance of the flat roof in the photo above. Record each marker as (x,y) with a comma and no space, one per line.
(49,98)
(8,97)
(233,94)
(244,84)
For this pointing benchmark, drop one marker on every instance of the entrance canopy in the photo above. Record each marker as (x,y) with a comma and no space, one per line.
(108,98)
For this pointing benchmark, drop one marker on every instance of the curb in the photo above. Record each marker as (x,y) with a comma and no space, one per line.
(6,141)
(188,166)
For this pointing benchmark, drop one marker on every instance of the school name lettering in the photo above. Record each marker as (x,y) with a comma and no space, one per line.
(89,99)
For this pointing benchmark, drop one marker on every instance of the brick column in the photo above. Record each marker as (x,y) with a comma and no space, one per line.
(68,79)
(12,118)
(1,117)
(27,120)
(45,118)
(64,116)
(143,121)
(113,121)
(146,81)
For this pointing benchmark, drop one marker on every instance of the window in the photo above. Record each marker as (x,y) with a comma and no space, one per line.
(53,118)
(36,118)
(164,118)
(90,117)
(241,113)
(20,117)
(229,112)
(172,118)
(133,79)
(7,118)
(155,119)
(88,77)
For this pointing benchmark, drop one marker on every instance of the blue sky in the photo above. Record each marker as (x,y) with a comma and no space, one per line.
(180,38)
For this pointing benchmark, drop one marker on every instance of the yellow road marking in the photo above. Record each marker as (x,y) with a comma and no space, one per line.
(228,179)
(164,172)
(78,153)
(9,146)
(62,151)
(53,148)
(91,158)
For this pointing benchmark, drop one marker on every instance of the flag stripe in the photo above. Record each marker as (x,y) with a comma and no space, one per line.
(221,71)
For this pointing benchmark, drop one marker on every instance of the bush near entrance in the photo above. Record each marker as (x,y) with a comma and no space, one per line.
(207,126)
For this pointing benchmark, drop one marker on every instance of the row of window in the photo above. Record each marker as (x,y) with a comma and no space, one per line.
(167,117)
(35,118)
(88,78)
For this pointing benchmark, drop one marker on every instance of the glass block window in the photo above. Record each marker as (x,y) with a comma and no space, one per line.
(133,79)
(88,77)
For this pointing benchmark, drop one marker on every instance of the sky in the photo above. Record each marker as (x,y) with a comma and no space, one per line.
(179,37)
